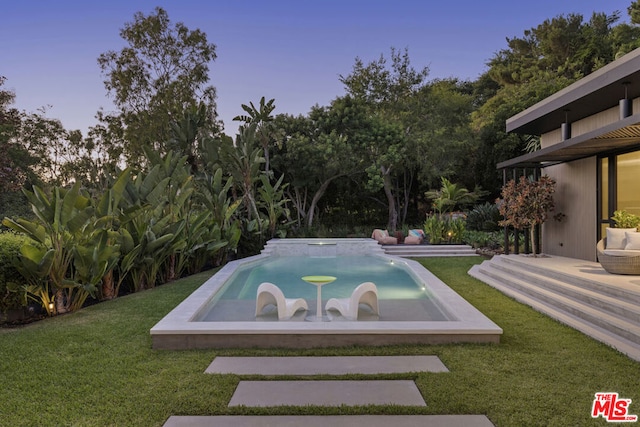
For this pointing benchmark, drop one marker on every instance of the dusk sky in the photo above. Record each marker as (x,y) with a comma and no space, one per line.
(293,51)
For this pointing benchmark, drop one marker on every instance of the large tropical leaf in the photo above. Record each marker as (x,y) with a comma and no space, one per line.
(31,229)
(76,223)
(155,244)
(157,195)
(37,259)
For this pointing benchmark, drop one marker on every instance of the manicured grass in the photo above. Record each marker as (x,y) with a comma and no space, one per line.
(96,367)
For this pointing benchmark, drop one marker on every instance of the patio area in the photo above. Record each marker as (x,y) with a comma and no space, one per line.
(578,293)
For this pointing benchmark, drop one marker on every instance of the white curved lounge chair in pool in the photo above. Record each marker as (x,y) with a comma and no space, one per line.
(366,293)
(270,294)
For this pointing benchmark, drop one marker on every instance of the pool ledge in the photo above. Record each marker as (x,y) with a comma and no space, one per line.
(177,330)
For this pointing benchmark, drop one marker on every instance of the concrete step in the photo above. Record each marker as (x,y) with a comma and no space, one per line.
(529,280)
(608,319)
(330,420)
(605,284)
(416,251)
(606,316)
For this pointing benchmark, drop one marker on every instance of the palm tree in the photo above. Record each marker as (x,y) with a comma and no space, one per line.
(451,196)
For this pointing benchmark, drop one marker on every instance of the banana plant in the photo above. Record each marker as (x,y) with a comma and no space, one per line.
(91,261)
(214,197)
(61,221)
(203,242)
(177,205)
(273,202)
(153,239)
(33,264)
(109,213)
(144,225)
(244,162)
(146,189)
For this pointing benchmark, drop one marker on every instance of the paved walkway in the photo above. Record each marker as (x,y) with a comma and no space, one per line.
(270,393)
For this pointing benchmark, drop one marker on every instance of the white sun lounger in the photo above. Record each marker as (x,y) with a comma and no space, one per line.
(366,293)
(270,294)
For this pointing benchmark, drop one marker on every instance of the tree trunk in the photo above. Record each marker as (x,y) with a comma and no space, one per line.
(532,233)
(316,198)
(61,306)
(407,196)
(171,268)
(299,201)
(141,283)
(393,213)
(108,286)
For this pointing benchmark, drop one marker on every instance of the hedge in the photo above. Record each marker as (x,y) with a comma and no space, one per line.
(9,250)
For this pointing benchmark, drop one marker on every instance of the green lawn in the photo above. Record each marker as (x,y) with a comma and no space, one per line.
(96,367)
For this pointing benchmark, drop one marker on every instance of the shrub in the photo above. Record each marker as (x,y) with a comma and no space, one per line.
(12,294)
(484,217)
(484,239)
(444,229)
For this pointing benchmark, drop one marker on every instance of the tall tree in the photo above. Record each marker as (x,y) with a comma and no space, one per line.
(161,72)
(12,174)
(32,146)
(387,92)
(317,150)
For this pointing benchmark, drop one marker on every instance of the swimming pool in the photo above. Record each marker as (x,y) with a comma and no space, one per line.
(401,295)
(204,320)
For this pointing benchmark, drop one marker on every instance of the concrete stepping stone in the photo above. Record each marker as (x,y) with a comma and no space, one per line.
(334,365)
(326,393)
(330,420)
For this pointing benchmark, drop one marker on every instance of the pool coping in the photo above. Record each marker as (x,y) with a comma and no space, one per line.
(177,330)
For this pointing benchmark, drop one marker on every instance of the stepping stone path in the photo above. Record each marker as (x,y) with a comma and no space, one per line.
(270,393)
(326,393)
(336,365)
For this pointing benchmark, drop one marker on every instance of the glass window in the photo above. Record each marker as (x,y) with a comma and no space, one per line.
(619,186)
(628,182)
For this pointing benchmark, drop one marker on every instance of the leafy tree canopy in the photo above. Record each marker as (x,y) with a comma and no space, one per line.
(162,71)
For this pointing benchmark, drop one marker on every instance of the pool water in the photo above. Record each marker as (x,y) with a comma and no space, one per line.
(401,295)
(392,280)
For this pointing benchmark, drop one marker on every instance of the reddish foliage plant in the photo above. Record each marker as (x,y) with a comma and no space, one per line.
(526,203)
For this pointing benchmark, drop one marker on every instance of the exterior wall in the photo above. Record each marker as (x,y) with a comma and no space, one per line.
(550,138)
(585,125)
(576,197)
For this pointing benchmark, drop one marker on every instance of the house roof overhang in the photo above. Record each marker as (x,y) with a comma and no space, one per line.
(624,134)
(592,94)
(597,92)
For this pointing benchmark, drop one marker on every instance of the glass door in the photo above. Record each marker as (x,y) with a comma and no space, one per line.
(619,186)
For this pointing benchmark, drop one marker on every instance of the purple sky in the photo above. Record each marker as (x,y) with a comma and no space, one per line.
(292,51)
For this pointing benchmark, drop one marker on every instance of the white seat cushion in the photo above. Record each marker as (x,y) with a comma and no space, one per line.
(621,252)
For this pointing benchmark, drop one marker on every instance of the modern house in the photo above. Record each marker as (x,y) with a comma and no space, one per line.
(590,144)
